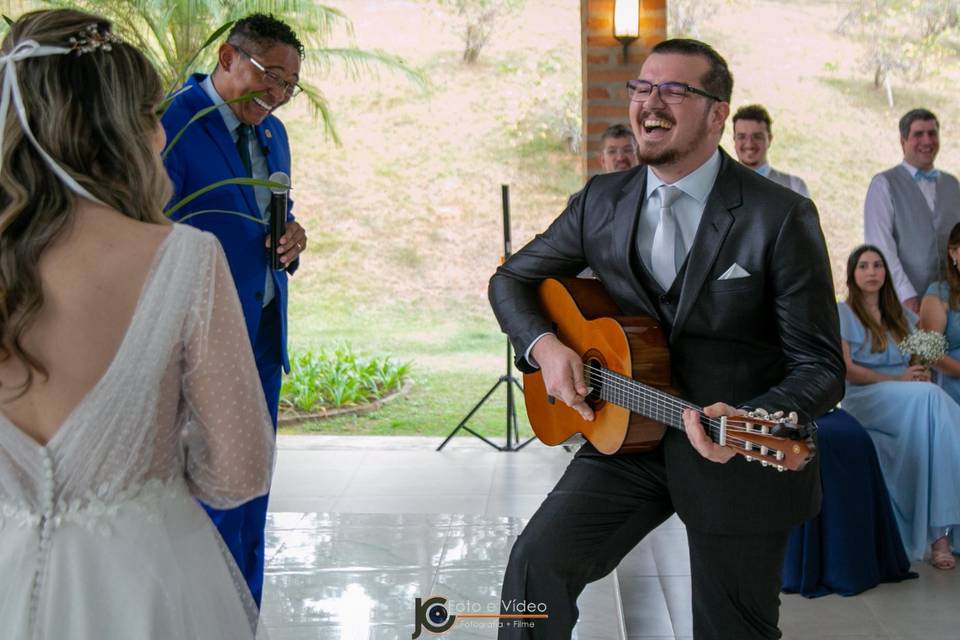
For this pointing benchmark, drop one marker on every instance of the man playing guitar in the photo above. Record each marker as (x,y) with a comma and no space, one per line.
(734,269)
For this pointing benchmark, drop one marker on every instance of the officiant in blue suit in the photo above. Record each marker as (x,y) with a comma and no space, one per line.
(243,139)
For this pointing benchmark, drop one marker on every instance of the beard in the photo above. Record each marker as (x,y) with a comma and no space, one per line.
(673,154)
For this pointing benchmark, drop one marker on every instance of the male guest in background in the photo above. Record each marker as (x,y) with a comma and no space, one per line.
(618,151)
(243,139)
(735,269)
(910,209)
(752,136)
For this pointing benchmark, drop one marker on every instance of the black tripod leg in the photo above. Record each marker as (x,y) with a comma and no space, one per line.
(463,423)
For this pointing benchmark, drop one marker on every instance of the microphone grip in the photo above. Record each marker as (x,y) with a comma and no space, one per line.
(278,226)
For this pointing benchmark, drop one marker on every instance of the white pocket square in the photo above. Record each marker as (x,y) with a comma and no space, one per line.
(735,271)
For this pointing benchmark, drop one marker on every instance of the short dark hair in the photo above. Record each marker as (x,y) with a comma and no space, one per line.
(756,113)
(718,80)
(617,131)
(912,116)
(261,31)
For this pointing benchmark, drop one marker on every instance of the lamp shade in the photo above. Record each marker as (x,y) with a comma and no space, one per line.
(626,19)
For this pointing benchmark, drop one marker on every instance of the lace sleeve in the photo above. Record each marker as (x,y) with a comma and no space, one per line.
(228,438)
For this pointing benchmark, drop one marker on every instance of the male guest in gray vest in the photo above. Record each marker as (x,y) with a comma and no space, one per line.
(734,268)
(911,208)
(752,136)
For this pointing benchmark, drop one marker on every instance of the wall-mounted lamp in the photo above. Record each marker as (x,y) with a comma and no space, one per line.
(626,23)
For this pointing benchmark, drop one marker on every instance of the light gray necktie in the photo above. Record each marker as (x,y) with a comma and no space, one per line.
(663,254)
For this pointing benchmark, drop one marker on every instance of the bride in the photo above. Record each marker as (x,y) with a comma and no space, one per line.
(127,383)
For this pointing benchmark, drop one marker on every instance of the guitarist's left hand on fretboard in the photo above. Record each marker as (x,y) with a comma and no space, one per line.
(698,437)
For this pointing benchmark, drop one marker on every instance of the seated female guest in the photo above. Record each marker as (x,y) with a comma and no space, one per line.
(127,382)
(914,424)
(940,312)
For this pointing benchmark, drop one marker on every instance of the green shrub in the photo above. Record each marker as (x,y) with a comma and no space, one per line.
(336,377)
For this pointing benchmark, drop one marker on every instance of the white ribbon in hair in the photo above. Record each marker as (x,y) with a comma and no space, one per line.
(11,89)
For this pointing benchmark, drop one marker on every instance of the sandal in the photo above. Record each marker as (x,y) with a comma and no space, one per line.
(942,560)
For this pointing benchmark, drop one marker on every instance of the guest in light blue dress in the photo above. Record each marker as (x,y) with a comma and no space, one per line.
(914,424)
(940,312)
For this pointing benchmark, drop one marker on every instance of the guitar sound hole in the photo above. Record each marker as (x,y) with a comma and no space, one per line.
(594,381)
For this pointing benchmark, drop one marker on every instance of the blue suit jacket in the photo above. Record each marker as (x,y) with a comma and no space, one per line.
(206,154)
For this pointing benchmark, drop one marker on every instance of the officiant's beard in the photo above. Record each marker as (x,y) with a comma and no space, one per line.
(672,155)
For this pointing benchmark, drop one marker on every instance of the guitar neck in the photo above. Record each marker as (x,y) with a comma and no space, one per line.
(645,400)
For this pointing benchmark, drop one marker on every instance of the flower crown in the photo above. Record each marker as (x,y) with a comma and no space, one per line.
(91,38)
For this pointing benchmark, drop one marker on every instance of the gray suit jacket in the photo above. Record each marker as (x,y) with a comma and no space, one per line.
(770,339)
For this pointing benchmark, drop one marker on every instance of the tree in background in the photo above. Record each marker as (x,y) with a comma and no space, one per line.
(684,17)
(902,36)
(478,18)
(177,34)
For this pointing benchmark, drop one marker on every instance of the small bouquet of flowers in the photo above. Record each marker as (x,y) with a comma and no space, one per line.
(924,347)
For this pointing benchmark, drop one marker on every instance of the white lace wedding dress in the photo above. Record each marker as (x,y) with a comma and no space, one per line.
(100,535)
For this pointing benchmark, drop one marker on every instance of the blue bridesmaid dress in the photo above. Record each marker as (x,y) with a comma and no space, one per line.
(853,543)
(950,384)
(915,427)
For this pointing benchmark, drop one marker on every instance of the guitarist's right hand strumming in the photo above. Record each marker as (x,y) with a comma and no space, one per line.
(562,371)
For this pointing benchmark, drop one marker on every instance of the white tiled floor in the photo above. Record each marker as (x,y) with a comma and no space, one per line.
(359,527)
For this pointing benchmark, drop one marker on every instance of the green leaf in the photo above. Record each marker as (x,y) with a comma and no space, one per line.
(203,112)
(185,70)
(252,182)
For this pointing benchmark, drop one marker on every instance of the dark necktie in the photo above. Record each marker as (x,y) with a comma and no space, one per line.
(244,134)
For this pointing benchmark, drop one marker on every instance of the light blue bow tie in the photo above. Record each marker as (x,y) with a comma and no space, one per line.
(926,175)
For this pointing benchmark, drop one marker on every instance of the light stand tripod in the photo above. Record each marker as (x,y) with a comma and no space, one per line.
(513,432)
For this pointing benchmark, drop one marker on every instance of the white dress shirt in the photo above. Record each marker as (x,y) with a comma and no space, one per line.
(687,208)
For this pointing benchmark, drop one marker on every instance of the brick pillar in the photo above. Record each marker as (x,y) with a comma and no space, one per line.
(604,72)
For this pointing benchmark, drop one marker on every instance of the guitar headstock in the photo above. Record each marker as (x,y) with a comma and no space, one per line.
(772,440)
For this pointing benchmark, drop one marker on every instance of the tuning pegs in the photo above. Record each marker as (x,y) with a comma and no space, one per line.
(781,468)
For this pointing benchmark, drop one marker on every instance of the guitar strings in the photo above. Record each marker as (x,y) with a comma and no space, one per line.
(632,389)
(661,400)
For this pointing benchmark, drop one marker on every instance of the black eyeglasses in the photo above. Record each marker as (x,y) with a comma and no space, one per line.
(670,92)
(290,89)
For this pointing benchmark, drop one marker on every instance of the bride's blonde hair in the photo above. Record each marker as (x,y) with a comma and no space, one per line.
(94,112)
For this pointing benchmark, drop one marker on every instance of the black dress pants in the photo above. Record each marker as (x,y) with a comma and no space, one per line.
(599,510)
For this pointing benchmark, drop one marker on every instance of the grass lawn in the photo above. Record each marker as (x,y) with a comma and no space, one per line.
(404,219)
(456,359)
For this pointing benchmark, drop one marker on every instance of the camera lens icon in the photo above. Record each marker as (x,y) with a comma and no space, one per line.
(432,615)
(437,614)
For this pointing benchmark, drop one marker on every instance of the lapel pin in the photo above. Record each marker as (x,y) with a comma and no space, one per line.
(267,133)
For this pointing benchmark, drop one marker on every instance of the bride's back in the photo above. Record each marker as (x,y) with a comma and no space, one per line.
(91,280)
(81,217)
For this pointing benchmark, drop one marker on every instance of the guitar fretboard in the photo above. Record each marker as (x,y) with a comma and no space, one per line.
(644,400)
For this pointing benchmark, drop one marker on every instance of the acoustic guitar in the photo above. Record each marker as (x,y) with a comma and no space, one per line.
(626,365)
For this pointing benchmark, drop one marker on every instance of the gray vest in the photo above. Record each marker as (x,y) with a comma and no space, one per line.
(793,183)
(920,234)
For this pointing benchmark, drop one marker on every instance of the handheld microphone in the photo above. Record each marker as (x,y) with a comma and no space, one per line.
(278,216)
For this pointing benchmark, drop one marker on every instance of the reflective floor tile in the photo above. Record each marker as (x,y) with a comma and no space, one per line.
(478,547)
(513,504)
(349,599)
(419,503)
(645,606)
(359,549)
(679,604)
(640,561)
